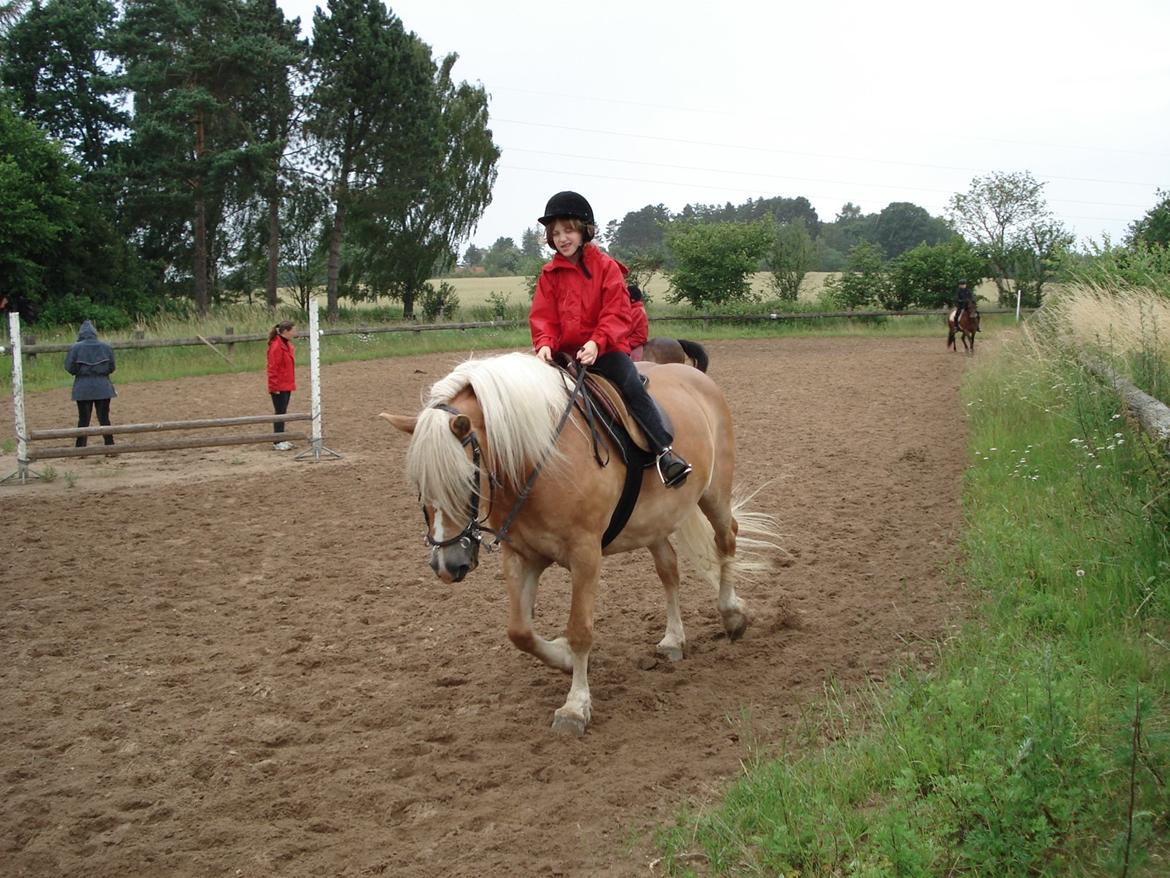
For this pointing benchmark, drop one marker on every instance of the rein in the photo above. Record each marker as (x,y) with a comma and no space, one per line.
(475,529)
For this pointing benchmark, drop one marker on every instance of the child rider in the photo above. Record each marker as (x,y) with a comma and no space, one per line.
(581,307)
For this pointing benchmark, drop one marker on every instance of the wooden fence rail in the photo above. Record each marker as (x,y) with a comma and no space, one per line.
(1151,413)
(230,338)
(159,426)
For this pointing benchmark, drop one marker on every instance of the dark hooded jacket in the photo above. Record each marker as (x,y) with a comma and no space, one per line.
(90,362)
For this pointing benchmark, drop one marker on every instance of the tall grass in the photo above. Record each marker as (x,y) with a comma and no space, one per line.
(1127,327)
(1040,742)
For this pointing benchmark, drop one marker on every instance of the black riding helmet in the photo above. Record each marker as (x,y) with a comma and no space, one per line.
(568,205)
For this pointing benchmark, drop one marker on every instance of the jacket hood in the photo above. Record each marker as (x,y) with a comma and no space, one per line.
(86,332)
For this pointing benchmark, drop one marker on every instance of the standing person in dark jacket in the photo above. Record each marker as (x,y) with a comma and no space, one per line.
(282,379)
(91,362)
(964,300)
(582,308)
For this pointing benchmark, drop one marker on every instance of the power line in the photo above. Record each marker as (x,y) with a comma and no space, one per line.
(690,185)
(738,112)
(821,155)
(765,175)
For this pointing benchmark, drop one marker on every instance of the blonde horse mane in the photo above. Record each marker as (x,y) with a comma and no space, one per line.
(522,400)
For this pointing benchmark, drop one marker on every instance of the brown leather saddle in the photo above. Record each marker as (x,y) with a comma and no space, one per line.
(607,401)
(605,412)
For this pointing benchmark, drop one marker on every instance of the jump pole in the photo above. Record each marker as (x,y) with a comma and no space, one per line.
(316,449)
(23,472)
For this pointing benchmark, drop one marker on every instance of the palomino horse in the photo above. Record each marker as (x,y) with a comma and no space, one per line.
(501,435)
(675,350)
(966,325)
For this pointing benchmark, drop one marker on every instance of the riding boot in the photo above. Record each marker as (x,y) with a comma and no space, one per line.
(672,469)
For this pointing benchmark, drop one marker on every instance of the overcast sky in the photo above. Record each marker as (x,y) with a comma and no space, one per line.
(652,102)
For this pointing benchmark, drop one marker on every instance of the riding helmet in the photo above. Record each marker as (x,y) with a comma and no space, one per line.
(567,205)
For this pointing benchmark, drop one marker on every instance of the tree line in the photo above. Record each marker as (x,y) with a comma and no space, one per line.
(999,229)
(170,153)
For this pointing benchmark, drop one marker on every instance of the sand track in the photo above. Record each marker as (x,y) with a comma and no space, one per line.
(223,662)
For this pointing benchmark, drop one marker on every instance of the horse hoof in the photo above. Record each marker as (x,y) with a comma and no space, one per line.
(670,653)
(567,723)
(735,624)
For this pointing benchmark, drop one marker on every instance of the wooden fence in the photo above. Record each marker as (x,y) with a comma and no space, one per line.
(26,453)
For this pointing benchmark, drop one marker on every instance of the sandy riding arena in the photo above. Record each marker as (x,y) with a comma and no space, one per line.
(222,662)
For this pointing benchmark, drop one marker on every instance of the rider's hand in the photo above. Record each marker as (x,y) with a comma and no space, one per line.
(545,353)
(587,356)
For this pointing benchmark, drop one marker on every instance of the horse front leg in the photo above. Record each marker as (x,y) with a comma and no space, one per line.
(585,569)
(666,564)
(522,576)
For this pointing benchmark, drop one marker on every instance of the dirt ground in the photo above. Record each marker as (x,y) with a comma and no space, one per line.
(226,662)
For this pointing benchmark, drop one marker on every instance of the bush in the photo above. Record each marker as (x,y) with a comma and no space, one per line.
(72,310)
(440,301)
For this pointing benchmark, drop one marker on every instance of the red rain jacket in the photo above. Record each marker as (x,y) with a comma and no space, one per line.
(281,365)
(639,324)
(569,308)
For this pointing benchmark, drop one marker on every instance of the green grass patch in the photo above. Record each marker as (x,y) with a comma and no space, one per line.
(1040,743)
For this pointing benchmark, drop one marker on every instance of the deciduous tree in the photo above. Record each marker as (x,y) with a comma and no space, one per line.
(1154,227)
(713,260)
(1006,217)
(792,256)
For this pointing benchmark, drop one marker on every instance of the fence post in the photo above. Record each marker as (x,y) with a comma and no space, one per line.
(23,473)
(316,446)
(32,339)
(230,330)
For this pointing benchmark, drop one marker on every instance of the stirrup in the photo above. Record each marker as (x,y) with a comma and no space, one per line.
(679,468)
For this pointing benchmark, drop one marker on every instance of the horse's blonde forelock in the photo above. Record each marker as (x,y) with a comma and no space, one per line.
(522,400)
(437,466)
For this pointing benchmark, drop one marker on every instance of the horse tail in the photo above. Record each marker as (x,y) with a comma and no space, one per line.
(950,337)
(756,540)
(696,352)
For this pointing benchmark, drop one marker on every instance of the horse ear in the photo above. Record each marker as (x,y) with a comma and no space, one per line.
(401,422)
(460,426)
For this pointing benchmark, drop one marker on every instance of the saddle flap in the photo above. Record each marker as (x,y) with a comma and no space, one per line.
(606,397)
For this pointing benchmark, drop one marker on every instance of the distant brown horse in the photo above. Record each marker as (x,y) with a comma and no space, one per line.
(965,323)
(675,350)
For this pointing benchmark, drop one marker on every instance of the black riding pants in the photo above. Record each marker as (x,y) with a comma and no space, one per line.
(85,409)
(619,368)
(280,407)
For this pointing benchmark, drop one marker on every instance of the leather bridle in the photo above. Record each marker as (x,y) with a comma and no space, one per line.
(471,537)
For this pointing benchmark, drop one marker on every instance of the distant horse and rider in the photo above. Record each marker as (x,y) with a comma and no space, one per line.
(963,320)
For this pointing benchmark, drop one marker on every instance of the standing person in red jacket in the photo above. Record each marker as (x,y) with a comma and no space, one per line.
(581,308)
(639,322)
(282,379)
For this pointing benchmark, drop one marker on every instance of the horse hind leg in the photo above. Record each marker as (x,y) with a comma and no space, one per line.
(709,539)
(673,642)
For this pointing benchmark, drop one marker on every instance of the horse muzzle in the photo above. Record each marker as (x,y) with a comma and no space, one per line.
(453,563)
